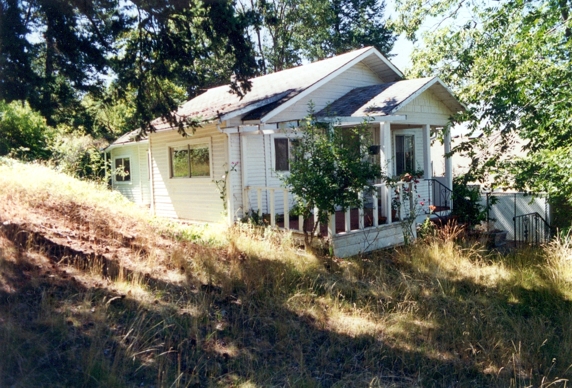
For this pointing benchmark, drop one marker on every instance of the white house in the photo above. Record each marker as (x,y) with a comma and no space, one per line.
(246,141)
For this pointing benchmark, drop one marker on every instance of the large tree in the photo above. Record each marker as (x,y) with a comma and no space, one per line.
(287,32)
(55,52)
(511,63)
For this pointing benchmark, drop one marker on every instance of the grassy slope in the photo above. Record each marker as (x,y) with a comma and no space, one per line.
(93,292)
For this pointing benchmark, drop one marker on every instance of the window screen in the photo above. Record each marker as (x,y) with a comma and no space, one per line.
(281,154)
(123,170)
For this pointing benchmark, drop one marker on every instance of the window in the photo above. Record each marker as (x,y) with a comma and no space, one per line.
(281,155)
(404,154)
(190,160)
(122,170)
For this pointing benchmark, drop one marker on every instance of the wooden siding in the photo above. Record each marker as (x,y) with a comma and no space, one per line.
(137,189)
(235,177)
(196,199)
(360,241)
(426,109)
(355,77)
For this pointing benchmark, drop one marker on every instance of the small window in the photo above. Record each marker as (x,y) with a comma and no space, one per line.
(191,160)
(122,170)
(404,154)
(282,155)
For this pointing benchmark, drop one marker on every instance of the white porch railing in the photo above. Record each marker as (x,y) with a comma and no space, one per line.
(378,208)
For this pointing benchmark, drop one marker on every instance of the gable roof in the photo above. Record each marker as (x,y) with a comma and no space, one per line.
(386,99)
(274,90)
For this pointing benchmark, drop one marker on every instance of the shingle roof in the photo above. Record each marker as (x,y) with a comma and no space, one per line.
(375,100)
(267,91)
(126,138)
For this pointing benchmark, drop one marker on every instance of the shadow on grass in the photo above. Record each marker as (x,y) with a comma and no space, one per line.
(249,327)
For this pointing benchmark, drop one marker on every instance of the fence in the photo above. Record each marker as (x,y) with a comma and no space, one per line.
(514,212)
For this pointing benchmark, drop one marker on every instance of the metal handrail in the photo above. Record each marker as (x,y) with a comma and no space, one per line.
(532,229)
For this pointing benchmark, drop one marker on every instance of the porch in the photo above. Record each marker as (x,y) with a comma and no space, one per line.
(352,231)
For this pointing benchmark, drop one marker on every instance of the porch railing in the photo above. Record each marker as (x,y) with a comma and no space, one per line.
(273,206)
(531,229)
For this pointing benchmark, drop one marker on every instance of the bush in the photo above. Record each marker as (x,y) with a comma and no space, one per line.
(24,133)
(78,154)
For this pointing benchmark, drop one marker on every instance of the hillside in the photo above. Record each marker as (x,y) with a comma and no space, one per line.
(96,293)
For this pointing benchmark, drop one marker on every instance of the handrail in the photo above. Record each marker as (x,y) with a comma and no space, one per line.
(531,228)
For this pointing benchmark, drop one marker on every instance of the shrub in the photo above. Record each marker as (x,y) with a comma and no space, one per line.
(78,154)
(24,133)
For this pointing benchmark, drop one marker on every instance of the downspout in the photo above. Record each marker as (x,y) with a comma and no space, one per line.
(240,155)
(105,167)
(265,167)
(228,178)
(140,174)
(152,177)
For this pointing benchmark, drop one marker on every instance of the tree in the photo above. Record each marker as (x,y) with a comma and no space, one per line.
(194,45)
(288,32)
(329,168)
(54,53)
(16,75)
(510,62)
(333,27)
(23,132)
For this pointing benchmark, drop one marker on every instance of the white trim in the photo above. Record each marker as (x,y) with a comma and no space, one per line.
(341,121)
(427,170)
(388,63)
(189,141)
(431,82)
(125,144)
(322,82)
(229,184)
(254,105)
(244,129)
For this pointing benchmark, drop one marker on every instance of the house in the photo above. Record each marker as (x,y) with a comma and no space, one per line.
(243,146)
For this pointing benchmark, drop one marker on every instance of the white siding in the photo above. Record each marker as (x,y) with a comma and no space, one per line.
(137,189)
(355,77)
(426,109)
(198,198)
(235,177)
(360,241)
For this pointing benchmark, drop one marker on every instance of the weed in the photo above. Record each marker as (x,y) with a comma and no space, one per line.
(94,292)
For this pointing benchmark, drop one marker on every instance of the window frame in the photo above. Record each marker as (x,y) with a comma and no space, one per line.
(122,180)
(291,139)
(288,153)
(405,169)
(196,143)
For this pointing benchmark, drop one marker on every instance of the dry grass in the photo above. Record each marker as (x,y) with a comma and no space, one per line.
(93,292)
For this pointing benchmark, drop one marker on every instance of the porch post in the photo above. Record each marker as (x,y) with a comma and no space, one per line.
(386,161)
(428,173)
(448,159)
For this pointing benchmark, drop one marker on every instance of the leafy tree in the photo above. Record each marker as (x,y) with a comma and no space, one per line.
(194,45)
(510,61)
(333,27)
(287,32)
(23,132)
(16,75)
(54,53)
(328,169)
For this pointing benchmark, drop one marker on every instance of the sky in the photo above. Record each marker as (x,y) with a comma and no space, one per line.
(402,48)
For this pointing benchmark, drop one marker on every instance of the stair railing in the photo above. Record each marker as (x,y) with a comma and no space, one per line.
(531,229)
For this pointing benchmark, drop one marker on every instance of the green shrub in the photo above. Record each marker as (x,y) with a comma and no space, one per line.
(78,154)
(24,133)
